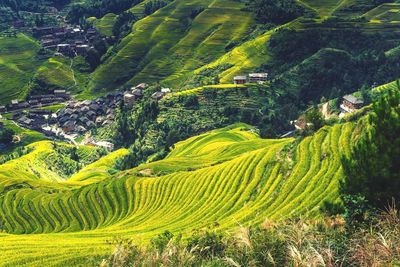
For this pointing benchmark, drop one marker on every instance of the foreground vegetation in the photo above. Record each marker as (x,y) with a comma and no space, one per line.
(325,242)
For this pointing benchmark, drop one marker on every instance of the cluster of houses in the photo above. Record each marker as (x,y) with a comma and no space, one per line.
(67,41)
(136,93)
(37,101)
(79,117)
(251,78)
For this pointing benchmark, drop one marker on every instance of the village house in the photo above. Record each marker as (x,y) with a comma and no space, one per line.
(60,92)
(129,99)
(239,79)
(158,96)
(69,126)
(82,49)
(258,77)
(142,86)
(24,120)
(350,104)
(165,90)
(301,124)
(3,109)
(107,145)
(138,93)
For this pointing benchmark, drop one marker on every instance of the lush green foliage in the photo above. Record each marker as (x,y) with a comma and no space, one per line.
(373,167)
(275,11)
(326,242)
(6,136)
(98,8)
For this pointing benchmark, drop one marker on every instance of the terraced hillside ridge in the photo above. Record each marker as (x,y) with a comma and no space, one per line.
(178,38)
(18,63)
(384,12)
(223,178)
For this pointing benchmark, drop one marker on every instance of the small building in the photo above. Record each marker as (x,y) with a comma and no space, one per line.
(3,109)
(158,96)
(69,126)
(107,145)
(351,103)
(82,49)
(258,77)
(25,121)
(90,124)
(23,105)
(129,99)
(14,102)
(60,92)
(91,114)
(138,93)
(142,86)
(240,80)
(165,90)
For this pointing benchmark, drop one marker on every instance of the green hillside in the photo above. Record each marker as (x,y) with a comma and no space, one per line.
(181,37)
(105,24)
(18,64)
(234,178)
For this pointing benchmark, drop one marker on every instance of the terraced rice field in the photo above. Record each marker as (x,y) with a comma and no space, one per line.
(171,42)
(105,24)
(325,8)
(221,179)
(384,12)
(17,66)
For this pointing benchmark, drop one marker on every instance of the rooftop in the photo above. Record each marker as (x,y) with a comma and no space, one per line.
(258,75)
(352,99)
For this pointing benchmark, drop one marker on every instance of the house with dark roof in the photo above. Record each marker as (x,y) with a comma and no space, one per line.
(258,77)
(69,126)
(138,93)
(239,79)
(351,103)
(158,95)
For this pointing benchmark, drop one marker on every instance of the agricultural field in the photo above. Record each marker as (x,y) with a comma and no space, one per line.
(24,136)
(180,37)
(384,12)
(57,73)
(220,179)
(18,64)
(105,24)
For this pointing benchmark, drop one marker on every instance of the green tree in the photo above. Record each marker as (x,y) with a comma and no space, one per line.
(373,166)
(6,136)
(315,117)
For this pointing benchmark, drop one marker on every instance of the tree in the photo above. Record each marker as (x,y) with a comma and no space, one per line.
(373,167)
(315,117)
(6,136)
(276,11)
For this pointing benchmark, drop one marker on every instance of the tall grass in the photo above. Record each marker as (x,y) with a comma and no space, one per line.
(325,242)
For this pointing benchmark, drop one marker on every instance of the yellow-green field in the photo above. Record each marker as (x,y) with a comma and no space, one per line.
(17,66)
(169,43)
(105,24)
(220,179)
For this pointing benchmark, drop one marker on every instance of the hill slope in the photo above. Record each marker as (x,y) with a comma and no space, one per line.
(237,178)
(180,37)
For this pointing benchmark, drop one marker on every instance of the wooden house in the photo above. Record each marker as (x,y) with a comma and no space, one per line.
(351,103)
(240,80)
